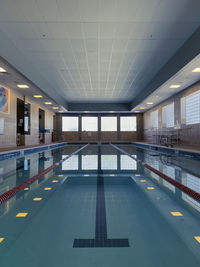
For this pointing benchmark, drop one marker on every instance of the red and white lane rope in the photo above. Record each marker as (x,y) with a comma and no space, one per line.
(182,187)
(7,195)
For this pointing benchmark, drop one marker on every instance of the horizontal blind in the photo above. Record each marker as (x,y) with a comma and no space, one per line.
(168,115)
(192,108)
(155,119)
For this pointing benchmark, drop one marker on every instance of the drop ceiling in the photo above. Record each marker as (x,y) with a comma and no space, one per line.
(94,51)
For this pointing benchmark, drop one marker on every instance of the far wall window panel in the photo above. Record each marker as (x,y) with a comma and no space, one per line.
(89,124)
(70,124)
(89,162)
(128,124)
(108,124)
(109,162)
(127,163)
(71,163)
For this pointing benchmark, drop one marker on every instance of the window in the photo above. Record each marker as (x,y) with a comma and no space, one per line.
(127,124)
(193,182)
(71,163)
(108,124)
(27,112)
(89,124)
(168,115)
(192,108)
(154,119)
(169,171)
(70,124)
(89,162)
(108,162)
(127,163)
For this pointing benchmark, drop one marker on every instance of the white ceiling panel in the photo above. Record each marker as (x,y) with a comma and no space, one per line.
(111,48)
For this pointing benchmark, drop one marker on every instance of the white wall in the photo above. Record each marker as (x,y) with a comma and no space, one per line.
(9,137)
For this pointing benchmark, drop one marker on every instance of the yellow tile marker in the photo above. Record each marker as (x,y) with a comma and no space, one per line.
(150,188)
(26,188)
(55,181)
(1,239)
(37,199)
(197,238)
(176,213)
(143,181)
(22,214)
(47,188)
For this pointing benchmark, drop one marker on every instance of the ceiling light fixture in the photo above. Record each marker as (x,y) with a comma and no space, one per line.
(137,111)
(61,111)
(149,103)
(38,96)
(2,70)
(142,108)
(22,86)
(54,107)
(48,103)
(175,86)
(196,70)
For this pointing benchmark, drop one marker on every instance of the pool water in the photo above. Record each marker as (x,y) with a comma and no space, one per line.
(99,208)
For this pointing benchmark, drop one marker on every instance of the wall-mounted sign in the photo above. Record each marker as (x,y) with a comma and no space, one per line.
(4,99)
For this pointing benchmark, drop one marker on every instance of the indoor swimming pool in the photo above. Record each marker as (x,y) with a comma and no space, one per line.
(99,207)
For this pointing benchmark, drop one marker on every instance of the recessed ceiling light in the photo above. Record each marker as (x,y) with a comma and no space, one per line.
(61,111)
(142,108)
(149,103)
(54,107)
(22,86)
(175,86)
(48,103)
(86,111)
(196,70)
(2,70)
(111,111)
(38,96)
(137,111)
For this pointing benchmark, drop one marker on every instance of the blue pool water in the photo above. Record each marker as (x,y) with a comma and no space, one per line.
(101,209)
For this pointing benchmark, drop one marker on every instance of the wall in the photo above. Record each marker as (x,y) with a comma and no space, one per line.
(188,134)
(9,137)
(98,136)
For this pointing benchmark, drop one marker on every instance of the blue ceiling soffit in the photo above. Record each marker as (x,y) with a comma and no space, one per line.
(189,50)
(98,107)
(19,61)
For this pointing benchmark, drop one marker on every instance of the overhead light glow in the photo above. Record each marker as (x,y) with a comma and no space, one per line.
(2,70)
(149,103)
(142,108)
(61,111)
(48,103)
(137,111)
(175,86)
(196,70)
(38,96)
(54,107)
(22,86)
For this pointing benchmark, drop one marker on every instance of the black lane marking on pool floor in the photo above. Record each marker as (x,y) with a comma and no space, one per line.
(101,239)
